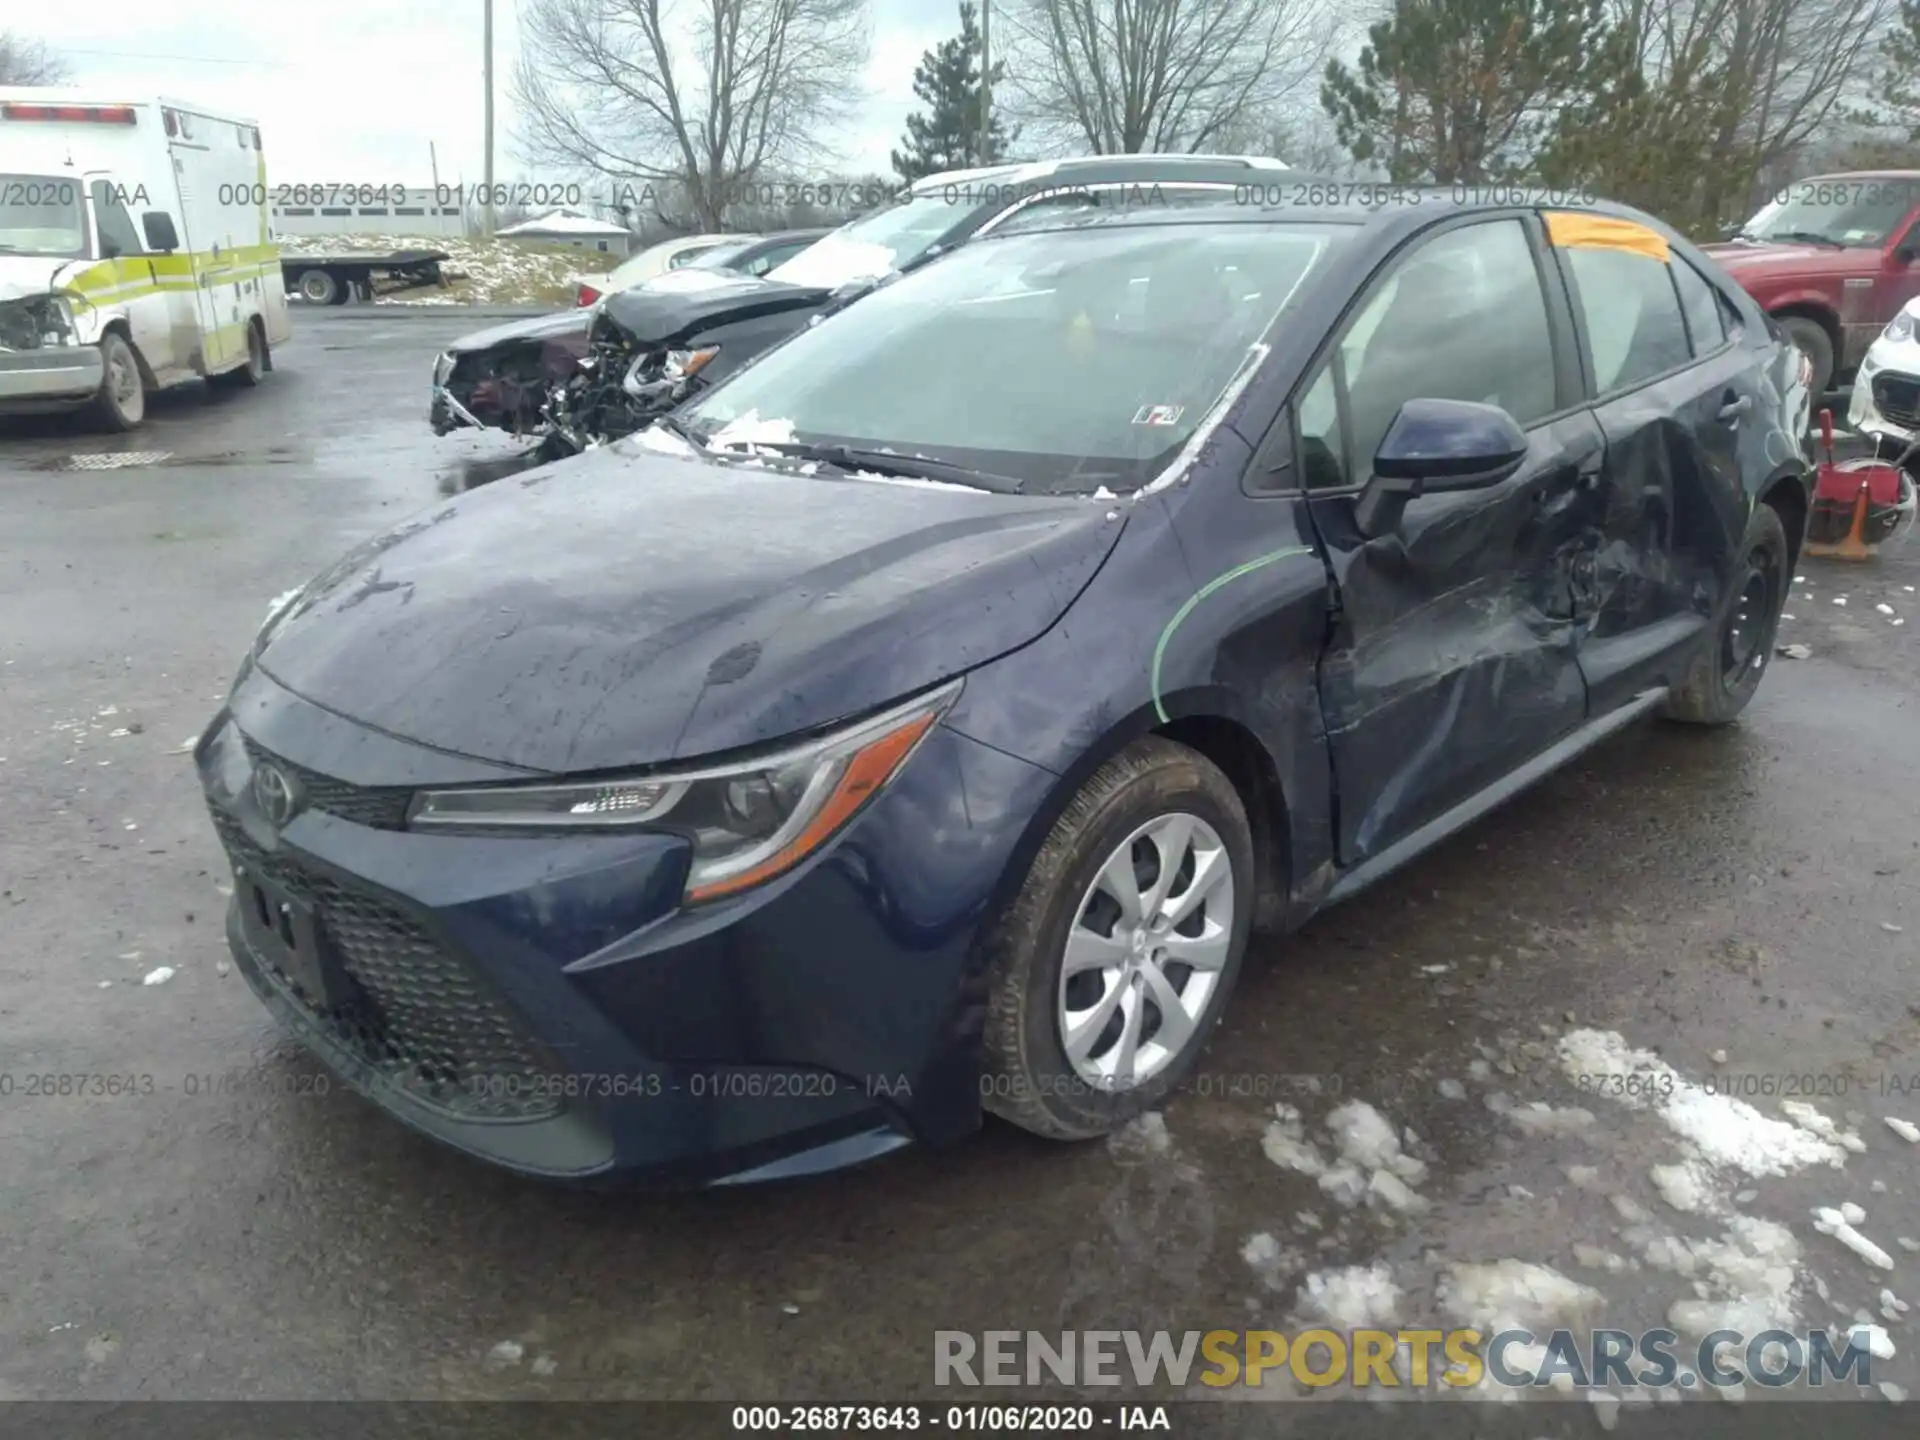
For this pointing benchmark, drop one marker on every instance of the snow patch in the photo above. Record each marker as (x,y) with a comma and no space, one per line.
(1358,1297)
(1835,1223)
(1905,1129)
(749,430)
(1684,1186)
(1744,1281)
(1724,1131)
(1537,1118)
(159,976)
(1517,1295)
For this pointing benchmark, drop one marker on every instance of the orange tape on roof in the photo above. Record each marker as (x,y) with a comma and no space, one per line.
(1572,231)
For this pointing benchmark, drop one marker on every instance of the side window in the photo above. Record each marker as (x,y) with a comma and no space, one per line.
(1702,308)
(118,234)
(1323,455)
(1462,318)
(1634,327)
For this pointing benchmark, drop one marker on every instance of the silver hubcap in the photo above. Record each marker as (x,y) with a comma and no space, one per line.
(1144,956)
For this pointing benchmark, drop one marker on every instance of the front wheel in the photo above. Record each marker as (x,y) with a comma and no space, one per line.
(1727,667)
(1812,340)
(121,402)
(320,287)
(1116,959)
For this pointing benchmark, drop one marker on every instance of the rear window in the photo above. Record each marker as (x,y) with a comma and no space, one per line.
(1072,360)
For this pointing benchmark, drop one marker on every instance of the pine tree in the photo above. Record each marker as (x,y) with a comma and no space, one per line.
(946,136)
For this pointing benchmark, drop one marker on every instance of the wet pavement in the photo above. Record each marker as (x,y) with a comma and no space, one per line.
(1742,902)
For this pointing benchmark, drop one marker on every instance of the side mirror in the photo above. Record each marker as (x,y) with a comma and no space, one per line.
(1437,446)
(161,237)
(1905,252)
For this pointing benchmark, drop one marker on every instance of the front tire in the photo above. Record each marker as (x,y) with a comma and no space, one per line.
(319,287)
(121,403)
(1116,959)
(1727,667)
(1813,341)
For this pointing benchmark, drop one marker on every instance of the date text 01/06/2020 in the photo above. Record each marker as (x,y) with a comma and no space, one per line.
(953,1419)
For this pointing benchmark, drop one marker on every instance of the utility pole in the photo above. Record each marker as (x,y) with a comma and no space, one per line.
(487,190)
(986,82)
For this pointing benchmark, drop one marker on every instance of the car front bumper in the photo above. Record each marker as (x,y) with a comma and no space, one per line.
(51,378)
(545,1004)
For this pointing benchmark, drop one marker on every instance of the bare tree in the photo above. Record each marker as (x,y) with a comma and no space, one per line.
(1162,76)
(686,102)
(1710,101)
(29,62)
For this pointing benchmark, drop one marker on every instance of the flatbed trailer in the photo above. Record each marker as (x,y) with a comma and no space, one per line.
(335,279)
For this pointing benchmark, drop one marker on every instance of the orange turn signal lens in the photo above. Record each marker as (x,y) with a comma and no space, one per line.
(862,775)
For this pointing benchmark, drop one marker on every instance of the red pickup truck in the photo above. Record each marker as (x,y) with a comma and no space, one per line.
(1833,258)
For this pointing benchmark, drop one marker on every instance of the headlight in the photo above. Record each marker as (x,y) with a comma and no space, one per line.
(748,821)
(682,364)
(1899,328)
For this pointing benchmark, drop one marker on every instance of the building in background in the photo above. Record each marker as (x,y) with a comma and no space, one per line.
(565,227)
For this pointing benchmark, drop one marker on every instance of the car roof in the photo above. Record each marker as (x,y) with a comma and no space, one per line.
(1089,168)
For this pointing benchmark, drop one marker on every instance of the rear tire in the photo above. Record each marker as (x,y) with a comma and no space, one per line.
(1813,341)
(248,375)
(121,403)
(1728,665)
(1157,835)
(319,287)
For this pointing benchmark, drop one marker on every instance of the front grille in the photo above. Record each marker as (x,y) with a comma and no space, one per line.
(383,807)
(421,1018)
(1898,398)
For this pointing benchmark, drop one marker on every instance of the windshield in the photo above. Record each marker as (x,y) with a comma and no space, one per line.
(1840,212)
(890,238)
(721,256)
(42,215)
(1068,360)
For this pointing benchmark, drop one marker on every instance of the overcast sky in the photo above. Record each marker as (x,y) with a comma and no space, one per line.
(355,91)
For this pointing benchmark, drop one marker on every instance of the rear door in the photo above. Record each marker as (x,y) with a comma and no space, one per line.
(187,149)
(1451,660)
(1672,392)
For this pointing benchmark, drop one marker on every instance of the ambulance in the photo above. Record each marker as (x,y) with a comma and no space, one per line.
(135,253)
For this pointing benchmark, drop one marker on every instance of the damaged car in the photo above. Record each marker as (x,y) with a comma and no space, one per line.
(583,377)
(888,737)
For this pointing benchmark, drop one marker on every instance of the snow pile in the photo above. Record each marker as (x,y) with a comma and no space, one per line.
(1743,1281)
(1357,1298)
(1516,1295)
(1814,1123)
(1143,1135)
(1371,1164)
(749,432)
(1721,1131)
(1685,1186)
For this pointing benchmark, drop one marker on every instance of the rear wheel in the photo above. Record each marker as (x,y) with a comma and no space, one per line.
(1726,669)
(319,287)
(1811,337)
(121,403)
(1117,957)
(248,375)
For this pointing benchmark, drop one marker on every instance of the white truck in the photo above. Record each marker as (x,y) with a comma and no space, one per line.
(135,253)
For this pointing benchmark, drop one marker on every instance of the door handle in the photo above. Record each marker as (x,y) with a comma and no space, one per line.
(1734,409)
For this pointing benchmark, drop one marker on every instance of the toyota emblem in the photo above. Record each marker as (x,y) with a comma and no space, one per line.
(275,793)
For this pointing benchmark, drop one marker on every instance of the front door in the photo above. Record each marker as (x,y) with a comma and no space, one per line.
(1452,656)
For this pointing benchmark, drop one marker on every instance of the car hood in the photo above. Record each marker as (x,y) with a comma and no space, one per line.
(626,607)
(656,316)
(538,327)
(22,275)
(1789,261)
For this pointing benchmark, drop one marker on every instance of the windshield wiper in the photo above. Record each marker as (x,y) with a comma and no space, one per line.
(1806,237)
(682,429)
(904,467)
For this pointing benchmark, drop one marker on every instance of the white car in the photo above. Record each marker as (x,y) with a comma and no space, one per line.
(653,261)
(1886,392)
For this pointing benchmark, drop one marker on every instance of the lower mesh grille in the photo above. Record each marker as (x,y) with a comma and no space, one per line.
(421,1017)
(1898,398)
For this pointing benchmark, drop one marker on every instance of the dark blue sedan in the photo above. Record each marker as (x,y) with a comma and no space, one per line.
(920,722)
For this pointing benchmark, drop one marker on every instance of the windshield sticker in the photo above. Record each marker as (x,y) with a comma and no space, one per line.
(1159,414)
(1570,231)
(1858,237)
